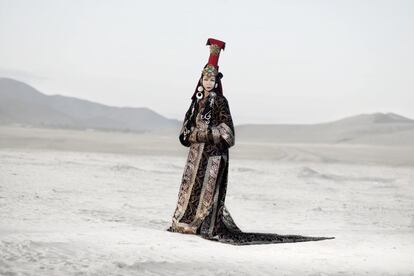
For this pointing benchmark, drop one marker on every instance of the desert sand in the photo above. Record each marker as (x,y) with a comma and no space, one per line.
(98,203)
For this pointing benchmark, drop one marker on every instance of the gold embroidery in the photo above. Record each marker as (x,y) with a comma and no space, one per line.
(188,179)
(215,203)
(193,136)
(226,133)
(216,135)
(207,191)
(210,70)
(214,49)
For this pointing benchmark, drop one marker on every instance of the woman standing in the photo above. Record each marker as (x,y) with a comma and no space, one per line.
(209,133)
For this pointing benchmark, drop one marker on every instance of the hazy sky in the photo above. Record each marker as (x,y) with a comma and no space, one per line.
(284,62)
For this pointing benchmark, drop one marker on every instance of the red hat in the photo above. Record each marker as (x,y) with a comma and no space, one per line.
(215,47)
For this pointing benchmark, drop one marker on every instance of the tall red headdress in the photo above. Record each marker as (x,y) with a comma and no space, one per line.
(211,68)
(212,65)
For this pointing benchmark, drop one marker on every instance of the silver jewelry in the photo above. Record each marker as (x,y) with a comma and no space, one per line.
(213,95)
(206,117)
(199,95)
(200,88)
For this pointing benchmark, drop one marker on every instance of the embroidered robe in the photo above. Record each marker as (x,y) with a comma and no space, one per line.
(201,206)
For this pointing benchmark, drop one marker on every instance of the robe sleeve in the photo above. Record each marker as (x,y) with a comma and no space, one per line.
(222,133)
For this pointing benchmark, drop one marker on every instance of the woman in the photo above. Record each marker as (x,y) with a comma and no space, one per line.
(209,133)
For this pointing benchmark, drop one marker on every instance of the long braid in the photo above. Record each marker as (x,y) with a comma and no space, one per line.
(189,122)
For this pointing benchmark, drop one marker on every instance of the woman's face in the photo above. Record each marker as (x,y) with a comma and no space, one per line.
(209,82)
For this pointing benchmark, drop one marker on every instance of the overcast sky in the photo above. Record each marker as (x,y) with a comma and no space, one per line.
(284,62)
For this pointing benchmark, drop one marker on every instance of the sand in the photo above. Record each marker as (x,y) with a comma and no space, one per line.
(70,209)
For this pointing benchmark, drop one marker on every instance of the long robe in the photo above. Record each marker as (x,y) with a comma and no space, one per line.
(201,206)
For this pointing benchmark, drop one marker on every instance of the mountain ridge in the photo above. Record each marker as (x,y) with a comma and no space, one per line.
(22,104)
